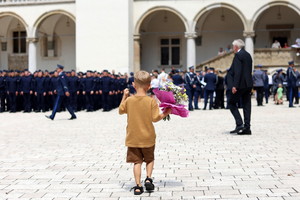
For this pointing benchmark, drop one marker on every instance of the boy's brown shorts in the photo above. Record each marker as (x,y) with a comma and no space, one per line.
(140,155)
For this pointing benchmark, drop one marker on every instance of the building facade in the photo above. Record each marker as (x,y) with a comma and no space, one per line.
(128,35)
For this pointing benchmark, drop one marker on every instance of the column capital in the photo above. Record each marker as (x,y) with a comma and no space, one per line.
(33,40)
(249,34)
(136,37)
(190,35)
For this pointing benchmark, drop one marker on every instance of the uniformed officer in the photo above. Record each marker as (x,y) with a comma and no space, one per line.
(198,89)
(88,91)
(129,83)
(190,86)
(73,89)
(26,88)
(62,94)
(210,79)
(177,78)
(40,92)
(12,91)
(106,90)
(292,76)
(258,84)
(2,91)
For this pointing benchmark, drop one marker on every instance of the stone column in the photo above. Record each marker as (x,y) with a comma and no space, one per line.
(137,53)
(191,49)
(32,42)
(249,45)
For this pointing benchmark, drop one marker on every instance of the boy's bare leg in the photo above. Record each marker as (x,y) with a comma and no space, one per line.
(149,169)
(137,170)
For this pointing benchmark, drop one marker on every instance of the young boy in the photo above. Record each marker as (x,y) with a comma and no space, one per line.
(141,111)
(279,95)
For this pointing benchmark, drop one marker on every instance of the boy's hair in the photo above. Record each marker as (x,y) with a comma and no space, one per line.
(142,78)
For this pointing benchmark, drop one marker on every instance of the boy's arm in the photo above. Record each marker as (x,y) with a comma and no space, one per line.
(155,112)
(122,107)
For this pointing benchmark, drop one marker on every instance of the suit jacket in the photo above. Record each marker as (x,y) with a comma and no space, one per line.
(258,78)
(239,74)
(211,80)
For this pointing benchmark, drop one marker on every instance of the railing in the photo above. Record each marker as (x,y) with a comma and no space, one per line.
(12,2)
(221,62)
(267,57)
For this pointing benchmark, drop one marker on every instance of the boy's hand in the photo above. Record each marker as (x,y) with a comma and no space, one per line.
(167,111)
(126,92)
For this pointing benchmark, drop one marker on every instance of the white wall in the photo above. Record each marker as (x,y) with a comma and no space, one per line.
(104,35)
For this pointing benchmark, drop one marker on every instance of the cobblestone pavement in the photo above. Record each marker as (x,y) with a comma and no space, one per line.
(196,158)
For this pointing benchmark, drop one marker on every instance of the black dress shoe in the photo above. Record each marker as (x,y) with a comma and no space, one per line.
(49,117)
(73,117)
(245,132)
(237,129)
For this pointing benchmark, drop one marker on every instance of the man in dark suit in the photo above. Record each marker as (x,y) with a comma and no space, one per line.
(62,94)
(239,80)
(210,79)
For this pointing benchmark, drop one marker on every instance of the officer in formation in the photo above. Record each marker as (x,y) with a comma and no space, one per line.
(190,86)
(259,78)
(90,91)
(210,79)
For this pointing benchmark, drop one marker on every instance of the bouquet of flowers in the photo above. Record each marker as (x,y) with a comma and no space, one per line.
(172,96)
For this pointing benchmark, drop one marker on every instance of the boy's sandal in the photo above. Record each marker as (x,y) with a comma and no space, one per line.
(149,184)
(137,190)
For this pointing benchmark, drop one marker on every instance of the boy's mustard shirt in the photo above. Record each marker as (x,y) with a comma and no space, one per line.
(141,111)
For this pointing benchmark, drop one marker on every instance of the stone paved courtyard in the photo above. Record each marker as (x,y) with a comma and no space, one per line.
(196,158)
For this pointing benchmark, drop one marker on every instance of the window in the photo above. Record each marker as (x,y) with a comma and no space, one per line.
(19,42)
(170,51)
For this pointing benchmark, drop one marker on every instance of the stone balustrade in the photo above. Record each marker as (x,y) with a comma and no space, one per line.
(268,57)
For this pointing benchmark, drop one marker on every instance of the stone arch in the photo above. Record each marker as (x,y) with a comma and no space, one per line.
(269,5)
(48,14)
(12,14)
(219,5)
(159,8)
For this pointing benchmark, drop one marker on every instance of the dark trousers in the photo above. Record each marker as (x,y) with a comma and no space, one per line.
(293,94)
(27,102)
(208,94)
(197,94)
(81,101)
(2,101)
(190,93)
(40,102)
(245,96)
(219,101)
(259,95)
(12,101)
(73,100)
(106,101)
(89,101)
(267,94)
(59,100)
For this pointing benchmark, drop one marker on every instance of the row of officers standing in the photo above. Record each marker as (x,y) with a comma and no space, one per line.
(211,86)
(90,91)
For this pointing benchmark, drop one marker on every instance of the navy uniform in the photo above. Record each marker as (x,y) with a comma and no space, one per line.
(73,89)
(48,98)
(12,91)
(122,87)
(106,90)
(177,79)
(292,77)
(129,83)
(89,87)
(2,91)
(62,94)
(258,84)
(81,96)
(266,86)
(219,101)
(26,88)
(198,90)
(211,80)
(40,92)
(96,97)
(190,86)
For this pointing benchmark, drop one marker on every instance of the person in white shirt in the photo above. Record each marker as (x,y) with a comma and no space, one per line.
(162,77)
(276,45)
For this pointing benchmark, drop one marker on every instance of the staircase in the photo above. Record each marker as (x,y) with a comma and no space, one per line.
(271,59)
